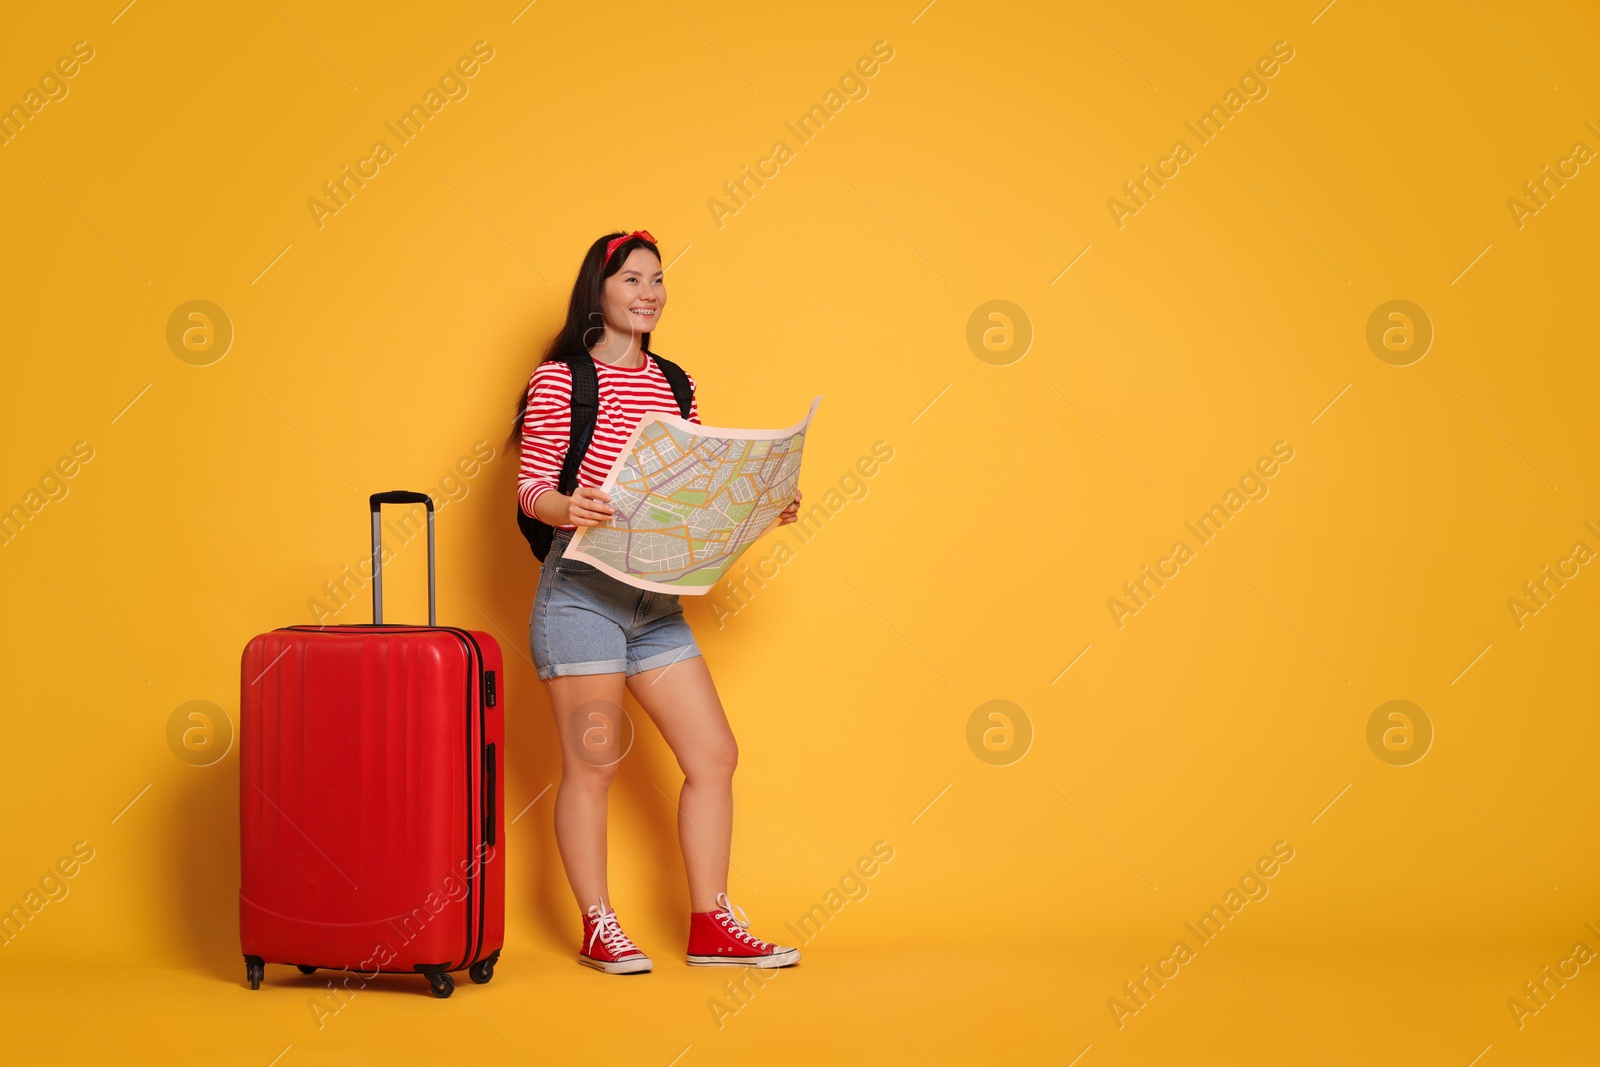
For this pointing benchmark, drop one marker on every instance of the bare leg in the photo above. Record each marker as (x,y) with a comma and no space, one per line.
(588,713)
(682,700)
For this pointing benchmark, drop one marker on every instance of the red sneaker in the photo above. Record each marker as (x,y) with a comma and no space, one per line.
(606,948)
(720,939)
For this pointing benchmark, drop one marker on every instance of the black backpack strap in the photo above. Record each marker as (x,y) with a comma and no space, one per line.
(682,391)
(585,410)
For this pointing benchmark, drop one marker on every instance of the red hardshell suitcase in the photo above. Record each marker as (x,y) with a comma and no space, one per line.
(371,795)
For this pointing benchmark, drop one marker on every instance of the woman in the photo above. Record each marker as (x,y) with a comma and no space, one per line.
(593,636)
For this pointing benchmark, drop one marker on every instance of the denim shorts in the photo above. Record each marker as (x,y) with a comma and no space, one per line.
(586,622)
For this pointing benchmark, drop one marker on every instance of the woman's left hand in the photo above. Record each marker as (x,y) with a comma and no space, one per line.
(790,513)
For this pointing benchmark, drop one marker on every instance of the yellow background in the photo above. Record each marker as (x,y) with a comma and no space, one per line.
(1228,314)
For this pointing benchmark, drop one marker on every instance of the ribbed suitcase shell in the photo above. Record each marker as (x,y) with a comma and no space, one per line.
(371,791)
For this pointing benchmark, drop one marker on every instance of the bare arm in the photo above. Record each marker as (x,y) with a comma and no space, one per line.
(585,507)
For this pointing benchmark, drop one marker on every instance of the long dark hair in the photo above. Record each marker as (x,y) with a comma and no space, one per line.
(584,317)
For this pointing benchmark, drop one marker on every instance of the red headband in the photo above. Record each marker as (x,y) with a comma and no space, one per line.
(617,242)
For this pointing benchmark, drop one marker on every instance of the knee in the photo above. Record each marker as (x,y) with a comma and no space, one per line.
(578,774)
(715,763)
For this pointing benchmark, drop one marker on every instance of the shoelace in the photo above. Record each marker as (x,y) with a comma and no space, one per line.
(736,922)
(609,931)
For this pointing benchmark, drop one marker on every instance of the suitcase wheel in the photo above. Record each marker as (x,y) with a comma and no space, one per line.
(303,969)
(441,984)
(483,970)
(254,971)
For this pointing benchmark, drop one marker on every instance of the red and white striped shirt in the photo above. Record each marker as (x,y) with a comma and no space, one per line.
(626,396)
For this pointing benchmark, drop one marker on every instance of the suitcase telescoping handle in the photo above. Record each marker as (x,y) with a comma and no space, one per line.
(397,496)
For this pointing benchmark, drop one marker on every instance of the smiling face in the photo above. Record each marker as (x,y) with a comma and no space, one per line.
(634,297)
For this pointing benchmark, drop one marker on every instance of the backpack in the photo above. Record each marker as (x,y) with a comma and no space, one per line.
(585,408)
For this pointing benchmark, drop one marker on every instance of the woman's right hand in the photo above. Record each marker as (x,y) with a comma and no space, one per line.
(588,507)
